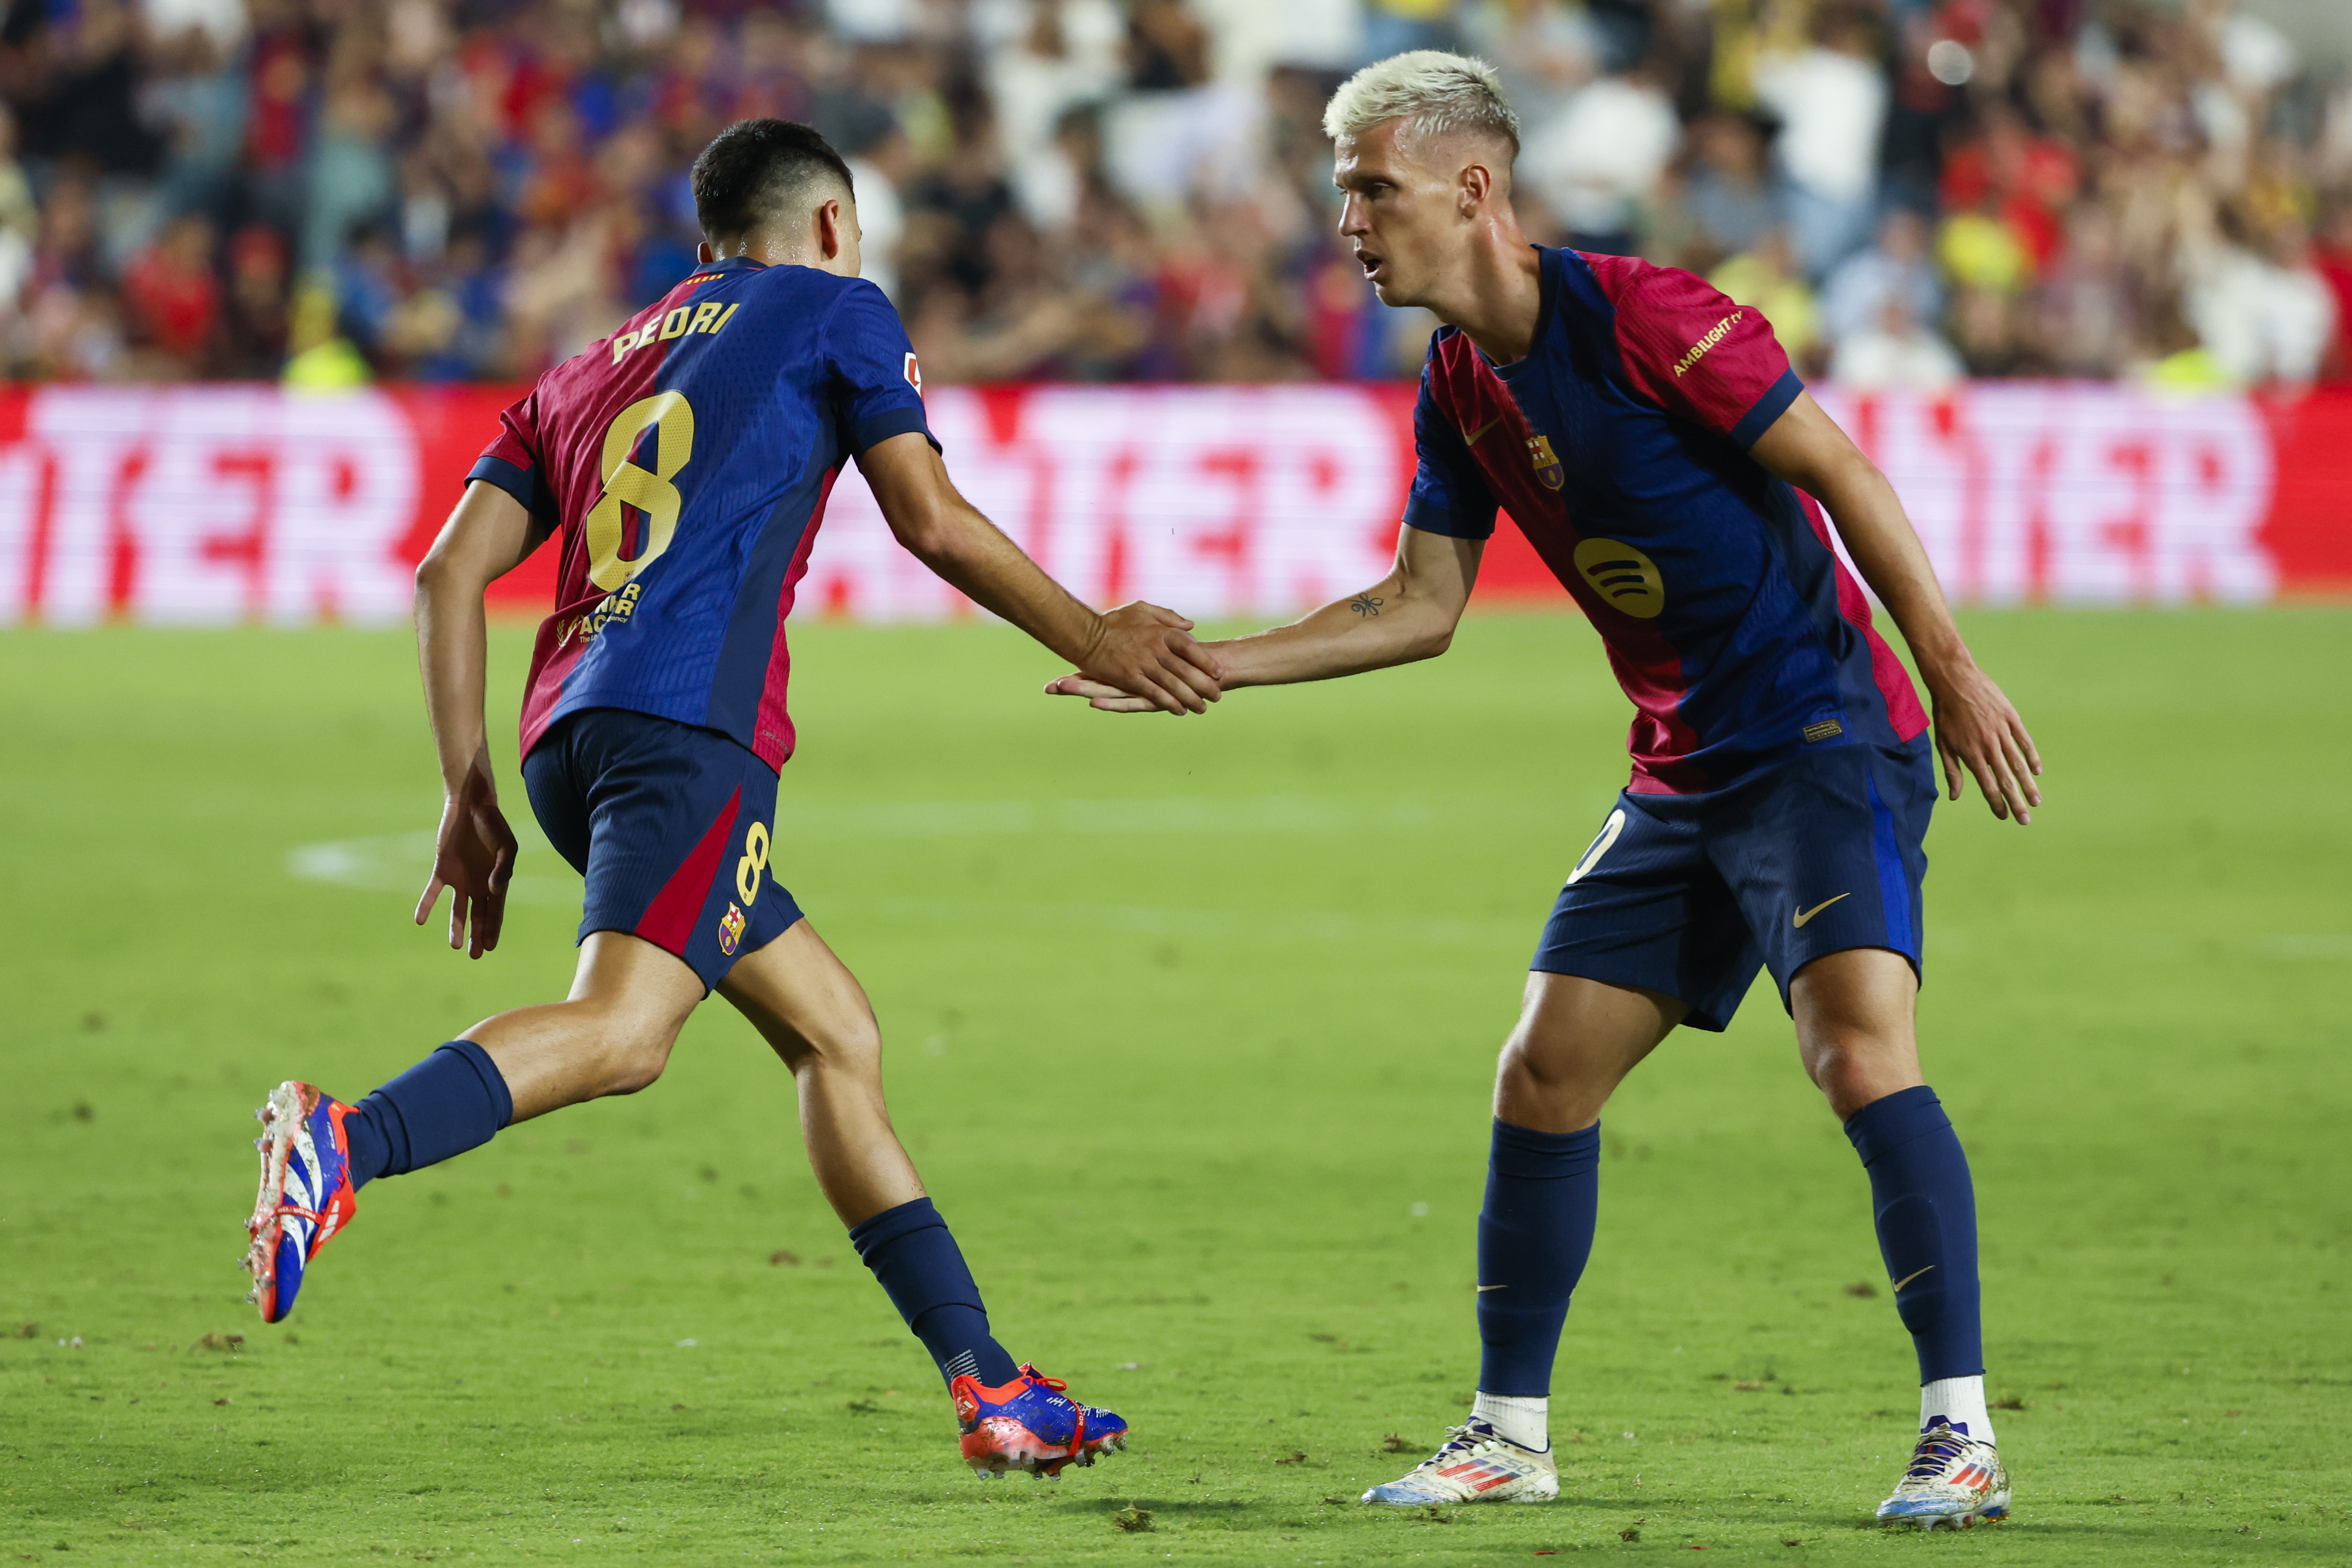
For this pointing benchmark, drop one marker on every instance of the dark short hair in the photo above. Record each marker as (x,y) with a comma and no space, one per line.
(756,170)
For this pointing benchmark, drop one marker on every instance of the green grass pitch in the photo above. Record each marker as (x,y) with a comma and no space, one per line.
(1192,1027)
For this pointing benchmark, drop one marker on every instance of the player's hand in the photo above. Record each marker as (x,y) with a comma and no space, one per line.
(1146,654)
(1977,728)
(473,857)
(1110,699)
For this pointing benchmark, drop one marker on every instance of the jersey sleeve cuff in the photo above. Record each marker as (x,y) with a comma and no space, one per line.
(1432,519)
(522,483)
(1768,408)
(875,429)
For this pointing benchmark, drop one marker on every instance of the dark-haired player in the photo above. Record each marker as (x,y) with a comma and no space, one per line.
(1648,437)
(682,466)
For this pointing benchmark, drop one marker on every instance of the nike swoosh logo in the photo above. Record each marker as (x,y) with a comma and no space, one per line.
(1484,1289)
(1471,438)
(1801,915)
(1915,1274)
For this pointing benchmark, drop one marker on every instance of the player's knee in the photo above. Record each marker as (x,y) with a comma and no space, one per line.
(1852,1068)
(853,1047)
(633,1053)
(1534,1083)
(639,1069)
(1830,1061)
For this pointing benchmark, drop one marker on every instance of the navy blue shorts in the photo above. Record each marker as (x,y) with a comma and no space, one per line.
(672,827)
(1691,894)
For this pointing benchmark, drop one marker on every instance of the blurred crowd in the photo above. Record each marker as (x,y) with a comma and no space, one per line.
(1912,191)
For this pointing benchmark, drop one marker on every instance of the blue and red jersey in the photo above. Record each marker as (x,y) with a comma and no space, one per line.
(1620,445)
(682,465)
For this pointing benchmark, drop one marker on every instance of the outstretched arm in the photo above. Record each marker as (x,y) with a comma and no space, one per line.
(474,853)
(1138,649)
(1976,727)
(1410,614)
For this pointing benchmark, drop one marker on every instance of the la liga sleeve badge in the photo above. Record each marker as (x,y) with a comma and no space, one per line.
(914,373)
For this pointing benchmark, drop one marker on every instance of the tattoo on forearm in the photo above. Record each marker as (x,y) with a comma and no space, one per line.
(1366,604)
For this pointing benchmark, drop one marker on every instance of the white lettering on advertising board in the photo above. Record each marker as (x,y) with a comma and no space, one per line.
(223,504)
(2077,493)
(207,506)
(1213,500)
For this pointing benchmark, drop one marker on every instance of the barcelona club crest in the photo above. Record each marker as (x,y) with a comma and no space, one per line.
(731,930)
(1548,468)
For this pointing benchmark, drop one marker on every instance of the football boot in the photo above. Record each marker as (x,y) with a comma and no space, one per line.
(1030,1424)
(1954,1481)
(1477,1464)
(306,1196)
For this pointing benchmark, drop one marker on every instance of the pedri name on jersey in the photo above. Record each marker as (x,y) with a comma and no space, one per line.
(708,316)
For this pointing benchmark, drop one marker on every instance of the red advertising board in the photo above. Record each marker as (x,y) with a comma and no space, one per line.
(228,504)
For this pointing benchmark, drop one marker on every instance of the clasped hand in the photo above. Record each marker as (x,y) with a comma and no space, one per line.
(1142,658)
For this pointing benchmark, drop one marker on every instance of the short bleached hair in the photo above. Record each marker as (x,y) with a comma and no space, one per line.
(1438,92)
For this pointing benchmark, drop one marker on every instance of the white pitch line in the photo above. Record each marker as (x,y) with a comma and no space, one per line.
(2306,944)
(1183,814)
(1158,920)
(399,863)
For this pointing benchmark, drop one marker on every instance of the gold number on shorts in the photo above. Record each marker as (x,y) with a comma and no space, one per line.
(754,862)
(1608,831)
(648,490)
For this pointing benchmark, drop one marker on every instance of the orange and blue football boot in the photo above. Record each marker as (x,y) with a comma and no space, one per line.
(1030,1424)
(306,1196)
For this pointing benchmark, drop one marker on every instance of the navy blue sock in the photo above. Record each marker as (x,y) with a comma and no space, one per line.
(453,1100)
(1543,1198)
(922,1270)
(1927,1213)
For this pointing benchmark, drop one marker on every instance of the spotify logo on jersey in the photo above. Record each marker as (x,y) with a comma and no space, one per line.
(1622,576)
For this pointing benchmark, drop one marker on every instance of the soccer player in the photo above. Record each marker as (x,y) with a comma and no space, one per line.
(1648,437)
(682,466)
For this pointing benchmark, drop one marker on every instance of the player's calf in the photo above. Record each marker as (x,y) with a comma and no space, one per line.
(1012,1418)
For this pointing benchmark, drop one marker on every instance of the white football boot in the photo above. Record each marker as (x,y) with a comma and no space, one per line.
(1477,1464)
(1954,1481)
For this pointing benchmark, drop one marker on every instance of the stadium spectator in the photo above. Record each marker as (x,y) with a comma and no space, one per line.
(1104,189)
(174,299)
(1730,200)
(2259,307)
(2333,258)
(20,216)
(1895,350)
(1831,100)
(1543,53)
(256,318)
(1600,157)
(1768,278)
(1895,271)
(2086,305)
